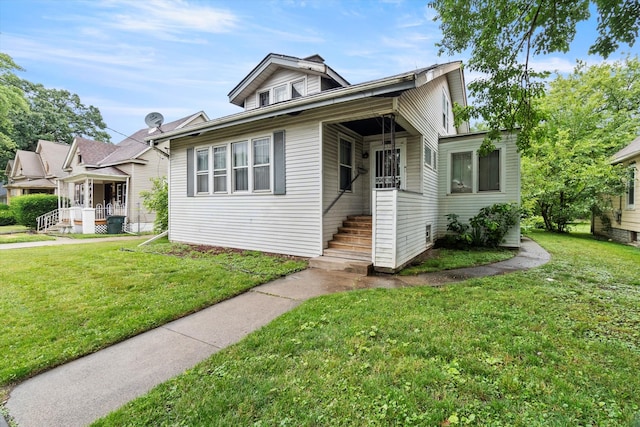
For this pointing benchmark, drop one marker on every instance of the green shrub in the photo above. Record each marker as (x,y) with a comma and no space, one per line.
(487,228)
(6,216)
(4,207)
(157,200)
(27,209)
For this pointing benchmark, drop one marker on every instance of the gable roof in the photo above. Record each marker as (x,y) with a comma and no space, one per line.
(631,150)
(313,64)
(52,155)
(387,86)
(142,134)
(27,164)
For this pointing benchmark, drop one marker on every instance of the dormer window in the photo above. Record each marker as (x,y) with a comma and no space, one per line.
(263,98)
(279,93)
(297,89)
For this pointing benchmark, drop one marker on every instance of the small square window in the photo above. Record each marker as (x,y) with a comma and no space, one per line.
(264,98)
(297,89)
(280,93)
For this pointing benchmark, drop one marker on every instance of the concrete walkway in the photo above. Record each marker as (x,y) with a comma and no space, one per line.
(80,392)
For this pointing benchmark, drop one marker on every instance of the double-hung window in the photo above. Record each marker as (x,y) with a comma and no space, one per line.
(240,154)
(489,172)
(461,172)
(445,112)
(631,187)
(202,170)
(346,163)
(220,169)
(261,164)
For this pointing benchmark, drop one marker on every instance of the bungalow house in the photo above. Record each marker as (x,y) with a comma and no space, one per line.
(104,180)
(317,167)
(622,223)
(32,172)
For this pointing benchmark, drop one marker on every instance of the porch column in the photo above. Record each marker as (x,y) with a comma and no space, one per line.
(86,193)
(88,221)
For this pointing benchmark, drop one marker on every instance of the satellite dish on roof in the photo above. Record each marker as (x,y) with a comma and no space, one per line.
(154,120)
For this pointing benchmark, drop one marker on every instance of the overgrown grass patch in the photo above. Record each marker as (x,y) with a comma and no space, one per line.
(553,346)
(448,259)
(59,303)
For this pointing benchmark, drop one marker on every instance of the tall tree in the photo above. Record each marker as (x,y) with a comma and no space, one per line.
(12,101)
(55,115)
(587,117)
(503,35)
(29,112)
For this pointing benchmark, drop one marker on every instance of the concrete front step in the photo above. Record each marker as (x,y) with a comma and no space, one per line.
(338,253)
(341,264)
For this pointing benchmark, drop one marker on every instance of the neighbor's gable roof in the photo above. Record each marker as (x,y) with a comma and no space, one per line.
(388,86)
(52,155)
(631,150)
(142,134)
(27,164)
(311,65)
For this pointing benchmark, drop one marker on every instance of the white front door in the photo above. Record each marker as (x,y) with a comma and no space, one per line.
(388,166)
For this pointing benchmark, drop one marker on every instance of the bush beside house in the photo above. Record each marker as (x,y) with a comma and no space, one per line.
(27,209)
(6,215)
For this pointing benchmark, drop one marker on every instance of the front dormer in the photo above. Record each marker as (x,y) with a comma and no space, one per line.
(280,78)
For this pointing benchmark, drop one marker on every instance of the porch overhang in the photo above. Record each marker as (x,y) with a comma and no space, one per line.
(103,174)
(32,183)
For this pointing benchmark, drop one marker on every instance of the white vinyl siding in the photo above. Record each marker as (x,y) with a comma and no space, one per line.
(287,224)
(467,205)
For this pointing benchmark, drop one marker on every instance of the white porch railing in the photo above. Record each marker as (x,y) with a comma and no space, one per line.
(48,220)
(108,209)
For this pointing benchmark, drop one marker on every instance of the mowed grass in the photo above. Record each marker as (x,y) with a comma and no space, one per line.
(448,259)
(558,345)
(59,303)
(24,237)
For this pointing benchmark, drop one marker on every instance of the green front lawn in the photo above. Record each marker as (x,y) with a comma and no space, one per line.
(61,302)
(448,259)
(558,345)
(24,237)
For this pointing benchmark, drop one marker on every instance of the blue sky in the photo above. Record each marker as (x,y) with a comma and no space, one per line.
(177,57)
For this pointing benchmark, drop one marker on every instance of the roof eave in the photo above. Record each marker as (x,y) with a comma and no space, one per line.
(335,96)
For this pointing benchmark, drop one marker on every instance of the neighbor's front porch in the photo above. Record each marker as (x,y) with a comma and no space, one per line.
(87,201)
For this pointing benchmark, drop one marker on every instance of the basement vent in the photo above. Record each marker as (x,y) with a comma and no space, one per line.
(428,233)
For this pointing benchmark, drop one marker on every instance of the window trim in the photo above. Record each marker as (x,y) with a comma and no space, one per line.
(632,185)
(259,95)
(268,165)
(446,104)
(214,170)
(234,168)
(302,80)
(499,172)
(350,140)
(433,156)
(475,171)
(203,172)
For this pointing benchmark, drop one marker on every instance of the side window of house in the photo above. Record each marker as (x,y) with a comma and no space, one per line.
(297,89)
(461,172)
(429,155)
(445,111)
(346,164)
(202,170)
(631,186)
(489,172)
(261,164)
(263,99)
(220,169)
(240,154)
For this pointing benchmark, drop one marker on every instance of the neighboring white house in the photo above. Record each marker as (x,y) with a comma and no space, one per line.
(622,223)
(315,165)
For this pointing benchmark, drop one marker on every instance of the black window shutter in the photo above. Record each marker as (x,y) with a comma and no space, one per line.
(279,163)
(190,172)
